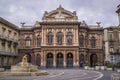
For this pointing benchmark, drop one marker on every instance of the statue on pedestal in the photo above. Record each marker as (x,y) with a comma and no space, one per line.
(24,61)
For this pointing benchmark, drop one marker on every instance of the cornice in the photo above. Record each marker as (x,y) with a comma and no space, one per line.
(9,24)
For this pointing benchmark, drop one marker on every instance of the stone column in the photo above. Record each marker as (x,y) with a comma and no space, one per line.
(77,58)
(64,60)
(64,37)
(54,37)
(119,18)
(54,59)
(42,58)
(74,37)
(45,37)
(74,57)
(42,42)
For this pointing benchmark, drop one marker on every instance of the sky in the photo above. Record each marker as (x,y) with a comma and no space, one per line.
(30,11)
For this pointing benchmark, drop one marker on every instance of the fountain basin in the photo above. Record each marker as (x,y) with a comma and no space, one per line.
(9,73)
(24,68)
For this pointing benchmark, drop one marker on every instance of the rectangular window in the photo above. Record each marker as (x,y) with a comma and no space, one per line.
(111,49)
(15,36)
(28,43)
(9,34)
(110,36)
(8,49)
(3,47)
(15,50)
(3,32)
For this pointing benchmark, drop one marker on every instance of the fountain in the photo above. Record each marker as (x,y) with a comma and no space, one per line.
(23,69)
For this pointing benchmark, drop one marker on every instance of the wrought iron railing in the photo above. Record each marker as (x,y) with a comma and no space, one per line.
(8,53)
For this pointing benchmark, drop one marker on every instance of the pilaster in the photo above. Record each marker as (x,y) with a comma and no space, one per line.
(54,59)
(64,61)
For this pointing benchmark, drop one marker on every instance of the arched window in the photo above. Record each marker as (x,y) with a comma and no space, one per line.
(93,42)
(27,41)
(50,38)
(38,41)
(59,37)
(69,37)
(81,41)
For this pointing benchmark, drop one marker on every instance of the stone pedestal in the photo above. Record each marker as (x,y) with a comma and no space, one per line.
(86,67)
(103,67)
(97,67)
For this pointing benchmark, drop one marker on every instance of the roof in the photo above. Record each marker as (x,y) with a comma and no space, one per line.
(9,24)
(60,14)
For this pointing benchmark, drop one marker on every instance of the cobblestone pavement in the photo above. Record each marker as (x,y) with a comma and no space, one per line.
(67,74)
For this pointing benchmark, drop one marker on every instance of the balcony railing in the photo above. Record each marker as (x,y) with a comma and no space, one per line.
(3,36)
(8,53)
(15,41)
(96,47)
(111,40)
(8,38)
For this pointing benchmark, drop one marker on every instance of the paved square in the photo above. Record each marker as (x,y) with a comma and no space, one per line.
(67,74)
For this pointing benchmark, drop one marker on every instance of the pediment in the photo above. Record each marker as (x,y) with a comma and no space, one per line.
(60,14)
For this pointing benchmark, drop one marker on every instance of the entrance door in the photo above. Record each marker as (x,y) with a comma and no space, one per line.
(59,60)
(93,60)
(49,62)
(38,59)
(69,60)
(81,60)
(28,58)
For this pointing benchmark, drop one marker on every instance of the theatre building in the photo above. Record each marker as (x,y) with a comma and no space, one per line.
(61,41)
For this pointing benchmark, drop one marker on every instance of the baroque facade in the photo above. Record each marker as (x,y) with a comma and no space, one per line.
(8,43)
(60,40)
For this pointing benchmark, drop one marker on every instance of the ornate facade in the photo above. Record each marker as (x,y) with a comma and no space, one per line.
(8,43)
(60,40)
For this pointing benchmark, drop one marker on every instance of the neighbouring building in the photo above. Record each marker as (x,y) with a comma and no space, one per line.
(60,40)
(8,43)
(112,42)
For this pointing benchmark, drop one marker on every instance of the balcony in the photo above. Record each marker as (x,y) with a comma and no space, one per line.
(3,37)
(9,39)
(96,47)
(111,40)
(15,41)
(8,53)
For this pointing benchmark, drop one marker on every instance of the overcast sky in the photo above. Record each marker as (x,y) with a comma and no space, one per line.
(29,11)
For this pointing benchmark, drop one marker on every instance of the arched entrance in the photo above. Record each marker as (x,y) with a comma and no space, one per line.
(38,59)
(69,60)
(59,60)
(81,60)
(93,60)
(28,58)
(49,63)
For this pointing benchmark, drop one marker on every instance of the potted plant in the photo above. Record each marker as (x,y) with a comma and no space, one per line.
(109,66)
(86,65)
